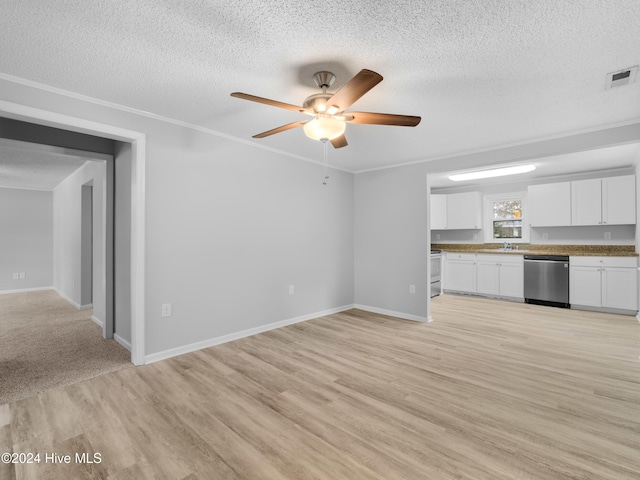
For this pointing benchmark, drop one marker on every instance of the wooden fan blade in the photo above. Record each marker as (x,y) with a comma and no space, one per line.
(351,91)
(283,128)
(266,101)
(382,119)
(339,142)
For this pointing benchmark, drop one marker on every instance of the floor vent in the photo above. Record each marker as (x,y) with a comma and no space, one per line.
(621,77)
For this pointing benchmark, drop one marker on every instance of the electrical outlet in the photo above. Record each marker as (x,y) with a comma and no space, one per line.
(16,276)
(412,289)
(23,275)
(292,289)
(166,309)
(545,236)
(607,235)
(437,236)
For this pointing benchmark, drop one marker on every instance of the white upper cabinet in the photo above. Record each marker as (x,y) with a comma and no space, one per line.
(598,201)
(464,211)
(619,200)
(550,204)
(586,202)
(456,211)
(438,212)
(604,201)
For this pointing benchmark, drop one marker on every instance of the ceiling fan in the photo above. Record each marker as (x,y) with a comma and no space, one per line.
(328,109)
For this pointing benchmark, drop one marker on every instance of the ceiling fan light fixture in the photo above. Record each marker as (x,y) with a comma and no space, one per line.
(324,128)
(330,109)
(494,172)
(333,109)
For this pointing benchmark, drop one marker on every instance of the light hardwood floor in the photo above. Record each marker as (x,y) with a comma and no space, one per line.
(490,390)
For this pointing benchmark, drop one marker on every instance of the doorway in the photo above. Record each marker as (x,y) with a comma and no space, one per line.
(136,165)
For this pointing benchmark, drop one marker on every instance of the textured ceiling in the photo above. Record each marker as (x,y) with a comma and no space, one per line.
(481,73)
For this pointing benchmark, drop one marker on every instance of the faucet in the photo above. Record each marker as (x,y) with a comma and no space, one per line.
(506,246)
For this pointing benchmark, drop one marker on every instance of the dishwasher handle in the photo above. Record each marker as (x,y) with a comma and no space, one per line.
(546,258)
(566,264)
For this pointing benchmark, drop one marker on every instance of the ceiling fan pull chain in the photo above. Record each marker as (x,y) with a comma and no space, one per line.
(326,161)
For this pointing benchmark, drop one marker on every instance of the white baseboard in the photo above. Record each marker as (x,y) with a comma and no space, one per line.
(65,297)
(116,337)
(391,313)
(24,290)
(75,304)
(174,352)
(122,341)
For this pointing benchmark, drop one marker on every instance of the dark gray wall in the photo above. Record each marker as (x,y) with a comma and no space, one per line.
(86,232)
(30,132)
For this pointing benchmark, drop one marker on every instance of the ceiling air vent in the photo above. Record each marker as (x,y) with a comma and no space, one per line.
(621,77)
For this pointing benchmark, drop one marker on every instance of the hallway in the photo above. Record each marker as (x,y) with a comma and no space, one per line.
(48,343)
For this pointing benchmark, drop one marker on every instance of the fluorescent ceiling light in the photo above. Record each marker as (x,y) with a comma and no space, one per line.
(495,172)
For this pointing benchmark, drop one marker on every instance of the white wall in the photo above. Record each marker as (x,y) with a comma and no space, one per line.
(26,239)
(229,227)
(67,236)
(391,240)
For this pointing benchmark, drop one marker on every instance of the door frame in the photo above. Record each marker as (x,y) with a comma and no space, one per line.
(138,164)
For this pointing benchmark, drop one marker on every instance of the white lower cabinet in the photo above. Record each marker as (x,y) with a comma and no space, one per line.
(585,285)
(500,275)
(619,288)
(460,272)
(595,283)
(604,283)
(491,274)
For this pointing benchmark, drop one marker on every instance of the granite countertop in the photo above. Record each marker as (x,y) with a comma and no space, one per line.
(531,249)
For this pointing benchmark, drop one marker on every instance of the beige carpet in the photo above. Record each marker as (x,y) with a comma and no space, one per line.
(47,343)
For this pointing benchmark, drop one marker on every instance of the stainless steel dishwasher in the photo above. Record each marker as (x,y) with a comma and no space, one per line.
(546,280)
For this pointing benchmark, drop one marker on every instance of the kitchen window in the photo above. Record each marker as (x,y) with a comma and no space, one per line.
(504,218)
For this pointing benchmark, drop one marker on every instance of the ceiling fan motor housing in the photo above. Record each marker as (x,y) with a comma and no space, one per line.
(317,102)
(324,79)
